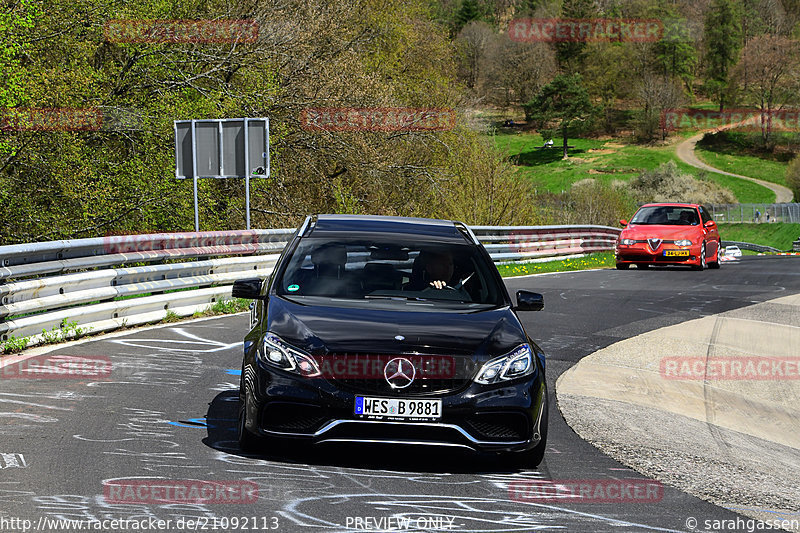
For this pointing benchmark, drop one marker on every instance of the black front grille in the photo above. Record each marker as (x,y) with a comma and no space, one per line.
(656,258)
(292,417)
(457,376)
(498,426)
(674,258)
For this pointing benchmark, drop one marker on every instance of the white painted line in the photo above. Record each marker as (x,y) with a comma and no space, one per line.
(39,350)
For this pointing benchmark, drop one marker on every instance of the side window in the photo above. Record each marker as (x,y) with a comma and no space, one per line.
(704,214)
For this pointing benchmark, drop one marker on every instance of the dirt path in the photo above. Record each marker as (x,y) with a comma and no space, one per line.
(685,152)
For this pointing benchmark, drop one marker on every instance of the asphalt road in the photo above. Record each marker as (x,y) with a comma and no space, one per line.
(168,410)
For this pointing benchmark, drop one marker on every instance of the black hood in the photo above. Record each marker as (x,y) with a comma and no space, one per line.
(321,329)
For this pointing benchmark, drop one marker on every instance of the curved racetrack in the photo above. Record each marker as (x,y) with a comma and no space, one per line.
(168,411)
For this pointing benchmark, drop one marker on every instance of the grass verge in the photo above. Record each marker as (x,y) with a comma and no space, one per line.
(591,261)
(777,235)
(746,165)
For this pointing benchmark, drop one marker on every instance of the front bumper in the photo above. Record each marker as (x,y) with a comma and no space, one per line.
(642,253)
(495,418)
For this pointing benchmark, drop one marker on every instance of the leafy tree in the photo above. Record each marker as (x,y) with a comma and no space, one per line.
(308,53)
(608,75)
(470,10)
(563,100)
(15,21)
(571,54)
(723,42)
(675,53)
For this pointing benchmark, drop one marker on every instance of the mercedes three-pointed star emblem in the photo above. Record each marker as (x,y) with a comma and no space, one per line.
(399,373)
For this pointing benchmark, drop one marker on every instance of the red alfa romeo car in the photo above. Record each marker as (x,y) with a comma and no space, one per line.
(669,234)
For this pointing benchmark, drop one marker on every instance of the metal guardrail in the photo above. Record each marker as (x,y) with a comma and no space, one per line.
(91,281)
(750,246)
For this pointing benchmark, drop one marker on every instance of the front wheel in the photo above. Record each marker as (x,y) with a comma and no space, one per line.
(248,442)
(702,263)
(715,263)
(623,266)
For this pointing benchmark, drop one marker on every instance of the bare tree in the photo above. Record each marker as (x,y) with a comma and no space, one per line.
(472,44)
(519,70)
(656,94)
(771,64)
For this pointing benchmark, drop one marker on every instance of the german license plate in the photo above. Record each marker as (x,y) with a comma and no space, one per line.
(676,253)
(398,408)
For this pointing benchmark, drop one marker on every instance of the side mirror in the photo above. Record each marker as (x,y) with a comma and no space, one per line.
(249,288)
(709,224)
(529,301)
(623,222)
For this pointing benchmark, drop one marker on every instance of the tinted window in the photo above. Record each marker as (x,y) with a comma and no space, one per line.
(704,214)
(366,269)
(666,215)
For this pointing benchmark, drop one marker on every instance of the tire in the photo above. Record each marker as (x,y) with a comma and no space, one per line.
(702,264)
(531,458)
(623,266)
(715,264)
(642,265)
(248,442)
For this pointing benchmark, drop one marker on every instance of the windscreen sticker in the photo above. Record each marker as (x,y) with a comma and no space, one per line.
(293,288)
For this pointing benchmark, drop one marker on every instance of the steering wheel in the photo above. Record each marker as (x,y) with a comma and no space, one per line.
(432,288)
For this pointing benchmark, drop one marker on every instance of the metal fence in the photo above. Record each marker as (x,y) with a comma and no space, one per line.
(107,283)
(756,213)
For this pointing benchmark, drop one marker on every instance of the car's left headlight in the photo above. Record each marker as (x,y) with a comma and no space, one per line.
(683,242)
(512,365)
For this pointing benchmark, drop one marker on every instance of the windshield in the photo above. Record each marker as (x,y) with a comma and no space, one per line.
(386,270)
(669,215)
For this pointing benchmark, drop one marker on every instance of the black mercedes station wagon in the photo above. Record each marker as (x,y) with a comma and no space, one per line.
(390,330)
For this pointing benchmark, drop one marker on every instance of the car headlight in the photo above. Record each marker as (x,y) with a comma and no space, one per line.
(275,352)
(513,365)
(627,242)
(683,242)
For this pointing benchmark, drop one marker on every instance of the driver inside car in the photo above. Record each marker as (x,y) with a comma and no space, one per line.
(436,272)
(439,268)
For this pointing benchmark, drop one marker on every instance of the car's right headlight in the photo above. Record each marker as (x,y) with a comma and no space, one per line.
(277,353)
(513,365)
(627,242)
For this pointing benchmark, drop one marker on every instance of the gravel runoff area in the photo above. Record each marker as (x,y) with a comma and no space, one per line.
(733,441)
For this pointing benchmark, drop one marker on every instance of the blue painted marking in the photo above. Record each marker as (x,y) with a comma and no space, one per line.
(232,372)
(359,405)
(187,425)
(201,423)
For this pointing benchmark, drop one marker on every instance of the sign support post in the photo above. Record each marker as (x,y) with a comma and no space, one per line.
(220,148)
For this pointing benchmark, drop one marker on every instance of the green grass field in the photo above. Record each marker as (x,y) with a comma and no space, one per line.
(604,160)
(746,165)
(596,260)
(778,235)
